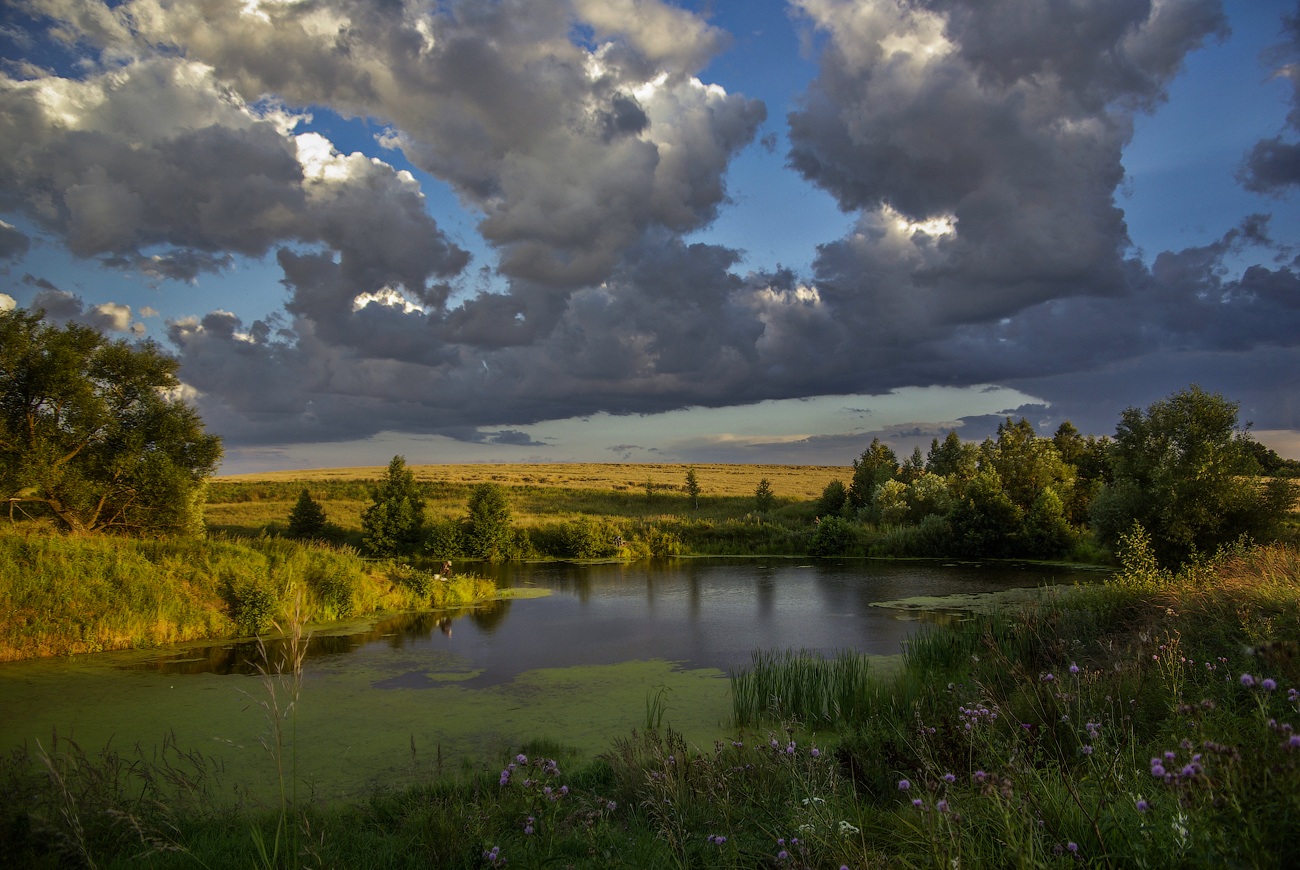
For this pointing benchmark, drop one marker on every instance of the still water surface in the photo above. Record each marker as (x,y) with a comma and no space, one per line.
(576,666)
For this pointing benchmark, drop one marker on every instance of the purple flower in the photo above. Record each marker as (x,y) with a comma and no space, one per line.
(1074,669)
(949,778)
(1087,750)
(942,806)
(979,775)
(521,758)
(782,855)
(1293,742)
(1247,680)
(904,785)
(1269,684)
(717,839)
(916,802)
(815,752)
(1143,806)
(1047,678)
(1157,769)
(1072,846)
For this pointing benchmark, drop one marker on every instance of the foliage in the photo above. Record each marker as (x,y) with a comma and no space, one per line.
(307,519)
(876,465)
(89,435)
(1185,473)
(65,595)
(764,498)
(394,523)
(488,530)
(780,687)
(693,487)
(985,521)
(833,499)
(832,537)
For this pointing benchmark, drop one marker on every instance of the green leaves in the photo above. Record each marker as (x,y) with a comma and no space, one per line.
(89,435)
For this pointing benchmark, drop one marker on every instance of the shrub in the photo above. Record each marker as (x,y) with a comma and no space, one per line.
(832,537)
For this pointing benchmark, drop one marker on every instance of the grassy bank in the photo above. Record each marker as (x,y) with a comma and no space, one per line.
(62,595)
(1149,721)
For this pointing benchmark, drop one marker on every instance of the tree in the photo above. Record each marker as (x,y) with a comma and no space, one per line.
(764,498)
(693,487)
(1185,473)
(489,533)
(307,519)
(393,525)
(832,501)
(952,458)
(876,465)
(1027,465)
(91,431)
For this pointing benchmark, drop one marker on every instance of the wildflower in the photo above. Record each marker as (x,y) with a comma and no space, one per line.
(1293,742)
(1072,846)
(1087,749)
(717,839)
(916,802)
(782,855)
(1074,669)
(1157,769)
(949,778)
(814,752)
(1293,695)
(1269,684)
(505,777)
(1047,678)
(521,758)
(847,829)
(528,826)
(564,789)
(979,775)
(942,806)
(1247,680)
(1143,806)
(904,785)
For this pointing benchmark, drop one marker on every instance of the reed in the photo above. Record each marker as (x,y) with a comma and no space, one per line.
(802,687)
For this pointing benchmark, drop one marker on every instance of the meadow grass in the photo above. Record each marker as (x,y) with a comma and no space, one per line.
(1148,722)
(63,595)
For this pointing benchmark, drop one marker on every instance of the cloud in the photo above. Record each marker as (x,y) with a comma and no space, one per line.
(978,148)
(1273,165)
(13,242)
(61,305)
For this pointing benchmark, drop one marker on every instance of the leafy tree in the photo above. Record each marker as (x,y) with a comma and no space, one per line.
(832,537)
(91,434)
(913,468)
(928,495)
(693,487)
(489,533)
(876,465)
(393,525)
(1047,531)
(832,500)
(985,521)
(1027,464)
(952,458)
(890,502)
(1185,473)
(764,498)
(307,519)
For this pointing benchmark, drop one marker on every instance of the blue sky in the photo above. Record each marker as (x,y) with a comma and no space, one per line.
(630,230)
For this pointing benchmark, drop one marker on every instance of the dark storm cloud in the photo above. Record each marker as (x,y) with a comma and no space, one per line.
(979,145)
(13,242)
(1273,165)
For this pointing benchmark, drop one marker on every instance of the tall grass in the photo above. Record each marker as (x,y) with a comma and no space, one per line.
(802,687)
(64,595)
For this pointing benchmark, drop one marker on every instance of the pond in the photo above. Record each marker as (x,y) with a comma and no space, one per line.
(575,661)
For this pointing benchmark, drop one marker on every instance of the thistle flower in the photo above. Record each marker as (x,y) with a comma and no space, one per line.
(904,785)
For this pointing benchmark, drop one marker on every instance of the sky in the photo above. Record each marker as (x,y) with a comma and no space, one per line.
(644,231)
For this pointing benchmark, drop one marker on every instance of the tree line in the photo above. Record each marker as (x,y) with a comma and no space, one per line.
(94,436)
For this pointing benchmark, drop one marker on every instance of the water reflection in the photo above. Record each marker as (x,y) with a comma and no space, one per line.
(708,613)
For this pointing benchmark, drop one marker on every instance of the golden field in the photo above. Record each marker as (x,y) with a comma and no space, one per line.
(787,481)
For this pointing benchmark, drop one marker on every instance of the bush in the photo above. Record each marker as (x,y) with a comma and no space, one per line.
(833,537)
(253,600)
